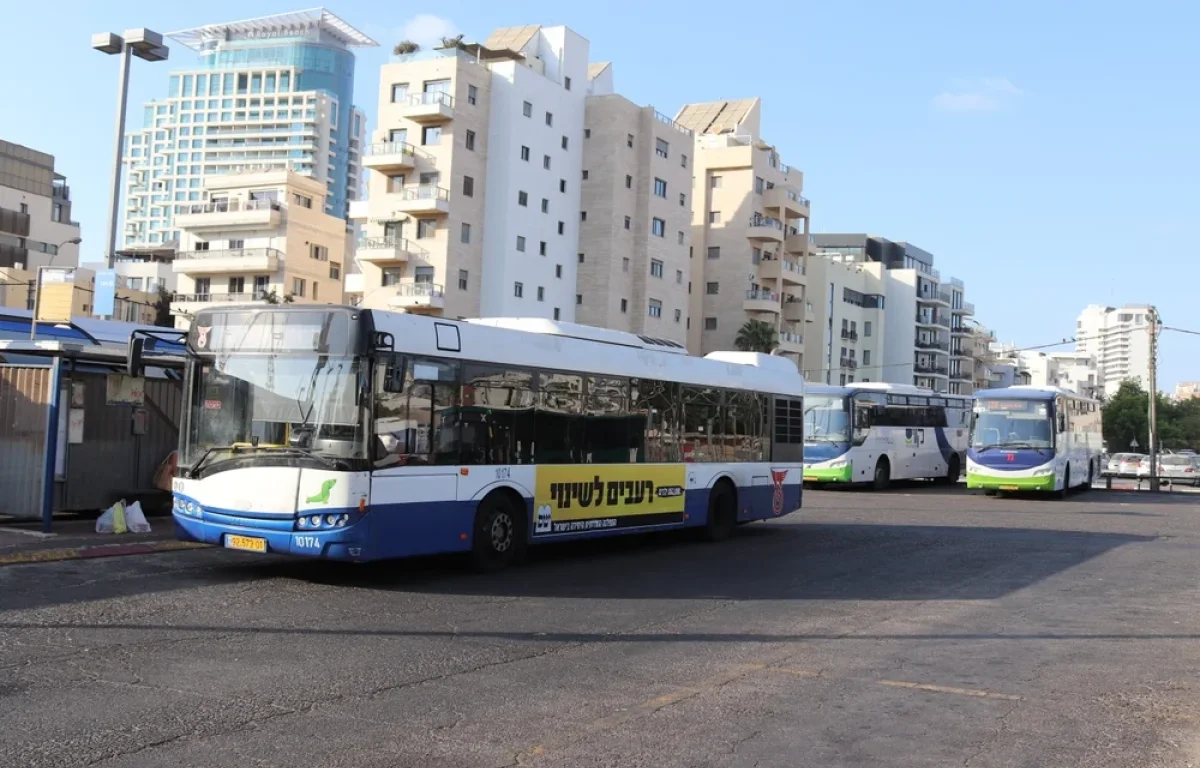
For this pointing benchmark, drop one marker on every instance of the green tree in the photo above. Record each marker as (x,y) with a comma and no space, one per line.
(1126,419)
(756,336)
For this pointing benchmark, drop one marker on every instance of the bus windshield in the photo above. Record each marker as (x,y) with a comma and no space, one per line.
(265,407)
(826,419)
(1012,424)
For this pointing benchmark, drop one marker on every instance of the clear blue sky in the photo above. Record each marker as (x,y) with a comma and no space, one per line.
(1046,152)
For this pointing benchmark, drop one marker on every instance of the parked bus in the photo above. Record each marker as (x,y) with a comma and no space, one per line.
(876,432)
(362,435)
(1034,439)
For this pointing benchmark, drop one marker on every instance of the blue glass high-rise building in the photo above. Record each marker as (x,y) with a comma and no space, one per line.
(269,93)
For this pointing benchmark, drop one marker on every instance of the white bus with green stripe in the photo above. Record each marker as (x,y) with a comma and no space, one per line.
(873,433)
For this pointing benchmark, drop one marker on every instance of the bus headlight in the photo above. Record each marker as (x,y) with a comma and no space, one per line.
(331,520)
(1043,471)
(303,523)
(838,463)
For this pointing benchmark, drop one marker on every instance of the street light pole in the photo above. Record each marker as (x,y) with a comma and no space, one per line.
(118,153)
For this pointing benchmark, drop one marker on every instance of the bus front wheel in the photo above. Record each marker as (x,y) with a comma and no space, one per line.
(952,472)
(1066,489)
(499,538)
(722,512)
(883,475)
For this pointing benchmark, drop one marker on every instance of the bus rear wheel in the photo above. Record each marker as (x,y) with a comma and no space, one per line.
(882,476)
(1066,489)
(952,471)
(722,512)
(498,539)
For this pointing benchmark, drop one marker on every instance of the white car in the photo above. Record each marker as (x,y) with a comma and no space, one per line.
(1179,468)
(1130,464)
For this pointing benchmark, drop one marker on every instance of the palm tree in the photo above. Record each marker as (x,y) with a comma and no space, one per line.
(756,336)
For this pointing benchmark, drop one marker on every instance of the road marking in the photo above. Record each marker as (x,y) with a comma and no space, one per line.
(947,689)
(799,672)
(98,550)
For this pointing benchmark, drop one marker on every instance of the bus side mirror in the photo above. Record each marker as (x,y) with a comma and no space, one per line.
(133,361)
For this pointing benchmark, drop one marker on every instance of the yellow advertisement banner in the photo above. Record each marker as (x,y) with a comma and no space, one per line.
(572,498)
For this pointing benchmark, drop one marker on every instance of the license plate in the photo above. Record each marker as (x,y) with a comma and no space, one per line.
(248,543)
(1008,488)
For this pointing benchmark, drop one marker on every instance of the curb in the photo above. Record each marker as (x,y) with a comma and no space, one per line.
(96,550)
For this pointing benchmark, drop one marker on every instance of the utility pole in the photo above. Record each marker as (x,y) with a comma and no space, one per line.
(1152,327)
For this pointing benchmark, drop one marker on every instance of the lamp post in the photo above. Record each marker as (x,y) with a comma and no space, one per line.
(146,45)
(57,248)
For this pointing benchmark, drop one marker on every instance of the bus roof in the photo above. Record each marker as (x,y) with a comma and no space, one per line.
(1028,392)
(569,346)
(877,386)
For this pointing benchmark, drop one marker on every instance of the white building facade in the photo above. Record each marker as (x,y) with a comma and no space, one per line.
(1118,338)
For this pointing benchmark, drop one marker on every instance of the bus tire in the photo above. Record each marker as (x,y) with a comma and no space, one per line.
(1066,489)
(1091,478)
(722,512)
(952,472)
(883,474)
(498,539)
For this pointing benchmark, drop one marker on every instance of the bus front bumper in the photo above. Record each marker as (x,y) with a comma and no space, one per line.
(337,544)
(992,482)
(827,473)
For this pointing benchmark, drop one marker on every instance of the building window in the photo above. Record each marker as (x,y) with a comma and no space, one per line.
(523,198)
(866,357)
(682,200)
(629,140)
(335,271)
(315,286)
(545,205)
(56,212)
(714,182)
(566,85)
(660,188)
(655,308)
(679,277)
(542,248)
(680,236)
(562,186)
(562,228)
(678,315)
(583,215)
(469,141)
(624,306)
(628,181)
(527,109)
(658,227)
(541,294)
(238,285)
(546,162)
(426,228)
(585,174)
(391,275)
(399,93)
(525,154)
(468,186)
(521,243)
(519,290)
(712,289)
(431,135)
(472,94)
(549,118)
(710,323)
(318,252)
(565,143)
(714,251)
(558,271)
(557,314)
(625,264)
(578,299)
(587,133)
(581,258)
(661,147)
(656,268)
(462,279)
(262,284)
(466,232)
(298,284)
(758,185)
(683,160)
(866,328)
(714,217)
(628,222)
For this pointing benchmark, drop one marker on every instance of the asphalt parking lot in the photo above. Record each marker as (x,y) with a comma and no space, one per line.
(917,627)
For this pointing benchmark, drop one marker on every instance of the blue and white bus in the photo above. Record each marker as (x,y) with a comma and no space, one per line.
(1034,439)
(363,435)
(873,432)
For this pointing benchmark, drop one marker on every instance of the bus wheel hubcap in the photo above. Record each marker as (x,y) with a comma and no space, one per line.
(501,533)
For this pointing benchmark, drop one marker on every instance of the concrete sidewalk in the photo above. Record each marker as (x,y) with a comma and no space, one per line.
(75,538)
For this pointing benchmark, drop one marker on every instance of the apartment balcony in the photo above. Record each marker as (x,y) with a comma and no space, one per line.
(231,215)
(390,156)
(962,376)
(967,308)
(761,300)
(781,269)
(849,363)
(959,330)
(943,346)
(418,297)
(798,311)
(428,108)
(789,203)
(849,335)
(239,261)
(930,369)
(927,320)
(385,249)
(765,229)
(942,319)
(191,303)
(791,343)
(798,243)
(420,201)
(934,298)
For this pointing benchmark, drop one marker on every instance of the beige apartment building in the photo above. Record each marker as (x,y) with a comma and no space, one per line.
(130,306)
(258,237)
(36,229)
(636,217)
(750,231)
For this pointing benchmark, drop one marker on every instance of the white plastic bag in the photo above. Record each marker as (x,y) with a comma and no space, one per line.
(136,519)
(113,519)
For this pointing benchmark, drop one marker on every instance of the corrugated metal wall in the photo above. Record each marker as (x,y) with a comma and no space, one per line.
(112,460)
(23,406)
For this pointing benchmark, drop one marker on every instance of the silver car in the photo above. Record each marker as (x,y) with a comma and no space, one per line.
(1179,468)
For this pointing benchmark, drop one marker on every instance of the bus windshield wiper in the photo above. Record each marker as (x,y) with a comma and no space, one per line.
(194,471)
(331,463)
